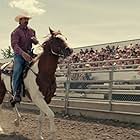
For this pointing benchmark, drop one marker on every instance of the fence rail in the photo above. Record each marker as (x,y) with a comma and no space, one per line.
(110,90)
(113,84)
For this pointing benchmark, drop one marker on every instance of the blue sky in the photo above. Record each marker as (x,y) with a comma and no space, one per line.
(83,22)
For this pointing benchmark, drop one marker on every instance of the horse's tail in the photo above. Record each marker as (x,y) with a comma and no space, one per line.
(0,73)
(2,88)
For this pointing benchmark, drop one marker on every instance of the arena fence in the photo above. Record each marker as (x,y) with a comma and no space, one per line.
(109,84)
(113,92)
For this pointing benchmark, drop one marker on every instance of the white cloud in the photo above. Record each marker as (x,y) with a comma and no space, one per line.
(29,6)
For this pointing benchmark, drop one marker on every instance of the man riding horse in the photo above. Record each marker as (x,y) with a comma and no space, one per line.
(40,81)
(22,39)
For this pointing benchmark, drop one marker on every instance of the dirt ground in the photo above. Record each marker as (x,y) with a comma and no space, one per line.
(68,128)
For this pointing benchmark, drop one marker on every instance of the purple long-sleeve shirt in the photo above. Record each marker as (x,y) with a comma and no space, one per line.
(21,39)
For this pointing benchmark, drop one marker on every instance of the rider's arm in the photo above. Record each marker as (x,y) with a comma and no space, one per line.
(15,43)
(34,39)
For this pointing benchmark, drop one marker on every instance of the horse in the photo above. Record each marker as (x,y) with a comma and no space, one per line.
(40,80)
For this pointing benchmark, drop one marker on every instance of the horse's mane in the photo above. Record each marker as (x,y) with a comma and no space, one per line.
(54,41)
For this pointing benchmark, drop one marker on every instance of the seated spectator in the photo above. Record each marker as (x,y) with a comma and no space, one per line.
(81,51)
(105,54)
(86,51)
(91,50)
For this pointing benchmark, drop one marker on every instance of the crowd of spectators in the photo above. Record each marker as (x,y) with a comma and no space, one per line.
(108,56)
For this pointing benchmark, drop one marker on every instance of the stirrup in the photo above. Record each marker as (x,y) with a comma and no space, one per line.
(14,100)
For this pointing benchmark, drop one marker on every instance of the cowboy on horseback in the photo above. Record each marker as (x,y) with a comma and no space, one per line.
(22,39)
(40,81)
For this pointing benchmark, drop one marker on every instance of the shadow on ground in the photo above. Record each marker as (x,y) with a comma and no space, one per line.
(12,137)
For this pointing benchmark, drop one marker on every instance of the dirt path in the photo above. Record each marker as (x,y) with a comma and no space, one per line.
(73,128)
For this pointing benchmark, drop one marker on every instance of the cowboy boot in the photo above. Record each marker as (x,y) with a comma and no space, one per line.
(16,99)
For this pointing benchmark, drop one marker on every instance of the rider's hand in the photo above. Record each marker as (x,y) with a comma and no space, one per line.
(26,56)
(34,39)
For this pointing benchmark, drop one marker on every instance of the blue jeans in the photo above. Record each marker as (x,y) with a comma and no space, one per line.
(19,65)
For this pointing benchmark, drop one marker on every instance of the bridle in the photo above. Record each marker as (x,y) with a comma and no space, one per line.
(57,54)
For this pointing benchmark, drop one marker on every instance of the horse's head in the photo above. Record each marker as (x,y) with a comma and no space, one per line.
(57,44)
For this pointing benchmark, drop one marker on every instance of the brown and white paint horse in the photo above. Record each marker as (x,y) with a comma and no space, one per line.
(40,81)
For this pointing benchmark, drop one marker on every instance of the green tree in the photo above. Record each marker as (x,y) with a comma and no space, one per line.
(7,53)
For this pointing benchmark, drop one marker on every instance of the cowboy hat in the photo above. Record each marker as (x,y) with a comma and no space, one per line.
(17,18)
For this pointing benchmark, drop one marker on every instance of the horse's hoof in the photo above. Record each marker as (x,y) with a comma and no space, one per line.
(41,138)
(52,136)
(16,122)
(1,130)
(13,102)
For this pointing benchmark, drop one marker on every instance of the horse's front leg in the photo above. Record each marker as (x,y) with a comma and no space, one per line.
(1,130)
(43,106)
(18,116)
(40,120)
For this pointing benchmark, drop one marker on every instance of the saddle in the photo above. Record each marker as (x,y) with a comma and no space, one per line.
(7,68)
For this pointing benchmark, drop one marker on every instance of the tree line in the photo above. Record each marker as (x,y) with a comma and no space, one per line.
(7,53)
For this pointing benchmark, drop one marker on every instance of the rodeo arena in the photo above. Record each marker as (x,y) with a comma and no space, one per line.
(97,98)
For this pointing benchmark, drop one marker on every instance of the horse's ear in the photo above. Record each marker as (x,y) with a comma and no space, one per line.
(51,31)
